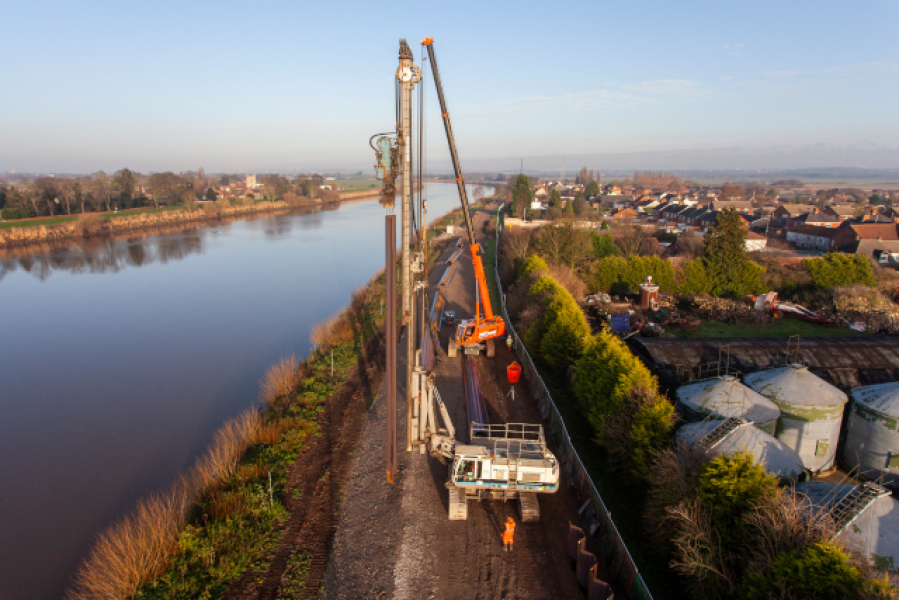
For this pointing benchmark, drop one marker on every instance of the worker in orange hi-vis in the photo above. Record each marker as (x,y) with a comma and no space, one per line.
(509,534)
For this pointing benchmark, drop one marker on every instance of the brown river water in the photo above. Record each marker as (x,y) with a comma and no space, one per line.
(119,358)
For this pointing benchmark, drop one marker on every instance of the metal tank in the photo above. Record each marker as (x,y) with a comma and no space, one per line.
(778,459)
(811,412)
(723,397)
(872,435)
(872,531)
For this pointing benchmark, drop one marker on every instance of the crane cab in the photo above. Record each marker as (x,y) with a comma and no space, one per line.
(502,462)
(473,335)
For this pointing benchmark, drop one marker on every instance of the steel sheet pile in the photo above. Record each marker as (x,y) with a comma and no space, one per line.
(477,408)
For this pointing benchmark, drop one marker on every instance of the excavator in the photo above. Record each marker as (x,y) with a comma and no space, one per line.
(472,335)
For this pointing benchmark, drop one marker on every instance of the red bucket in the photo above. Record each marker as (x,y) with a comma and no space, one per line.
(513,372)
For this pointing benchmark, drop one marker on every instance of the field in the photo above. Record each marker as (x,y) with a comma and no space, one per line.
(354,185)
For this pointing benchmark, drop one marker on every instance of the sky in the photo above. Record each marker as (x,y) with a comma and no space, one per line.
(301,86)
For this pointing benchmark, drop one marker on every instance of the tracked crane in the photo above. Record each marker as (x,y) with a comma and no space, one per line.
(472,334)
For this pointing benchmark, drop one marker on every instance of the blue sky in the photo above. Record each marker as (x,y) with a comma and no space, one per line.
(240,86)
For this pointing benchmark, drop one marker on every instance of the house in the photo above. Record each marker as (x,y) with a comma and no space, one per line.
(850,233)
(625,214)
(755,242)
(841,211)
(815,219)
(740,206)
(810,236)
(788,211)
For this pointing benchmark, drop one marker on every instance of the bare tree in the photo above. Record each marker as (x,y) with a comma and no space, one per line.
(100,188)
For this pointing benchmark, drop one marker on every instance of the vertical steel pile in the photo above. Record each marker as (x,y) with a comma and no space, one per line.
(390,341)
(474,399)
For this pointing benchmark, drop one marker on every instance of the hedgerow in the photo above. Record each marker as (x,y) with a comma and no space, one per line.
(836,269)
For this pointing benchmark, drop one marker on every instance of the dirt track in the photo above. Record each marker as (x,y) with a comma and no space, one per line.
(396,541)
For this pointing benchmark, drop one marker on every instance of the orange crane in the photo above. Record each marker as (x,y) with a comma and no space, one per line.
(485,326)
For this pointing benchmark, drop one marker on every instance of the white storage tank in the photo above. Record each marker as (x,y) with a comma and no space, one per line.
(811,412)
(872,434)
(724,397)
(777,457)
(872,532)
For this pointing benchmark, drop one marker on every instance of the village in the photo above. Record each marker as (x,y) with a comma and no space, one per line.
(853,222)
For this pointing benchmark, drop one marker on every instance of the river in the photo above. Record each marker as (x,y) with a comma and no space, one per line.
(120,358)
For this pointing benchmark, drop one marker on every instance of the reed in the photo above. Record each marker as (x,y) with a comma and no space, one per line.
(334,330)
(280,379)
(138,548)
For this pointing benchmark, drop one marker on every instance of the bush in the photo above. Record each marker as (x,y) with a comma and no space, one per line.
(605,374)
(837,269)
(558,337)
(820,571)
(692,278)
(614,273)
(604,245)
(730,487)
(634,435)
(533,264)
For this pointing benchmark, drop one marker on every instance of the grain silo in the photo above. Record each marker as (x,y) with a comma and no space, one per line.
(866,518)
(724,397)
(728,436)
(811,412)
(872,435)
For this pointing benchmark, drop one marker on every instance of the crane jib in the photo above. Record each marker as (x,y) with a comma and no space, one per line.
(460,180)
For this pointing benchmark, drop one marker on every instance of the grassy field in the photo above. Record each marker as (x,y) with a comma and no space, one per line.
(354,185)
(35,222)
(783,328)
(106,215)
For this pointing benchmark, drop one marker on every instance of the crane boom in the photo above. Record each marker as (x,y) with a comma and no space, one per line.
(491,326)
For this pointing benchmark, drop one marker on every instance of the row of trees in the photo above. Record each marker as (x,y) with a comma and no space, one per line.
(50,196)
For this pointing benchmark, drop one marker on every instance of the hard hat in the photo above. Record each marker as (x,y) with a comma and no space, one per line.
(510,520)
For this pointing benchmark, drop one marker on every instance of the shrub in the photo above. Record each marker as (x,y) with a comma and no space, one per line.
(281,378)
(693,278)
(533,264)
(604,245)
(614,273)
(558,336)
(836,269)
(820,571)
(605,374)
(607,272)
(731,486)
(332,331)
(88,224)
(634,434)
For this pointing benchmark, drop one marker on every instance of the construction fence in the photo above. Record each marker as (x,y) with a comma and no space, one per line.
(595,517)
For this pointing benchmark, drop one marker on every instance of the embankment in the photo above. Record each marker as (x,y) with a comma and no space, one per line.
(253,517)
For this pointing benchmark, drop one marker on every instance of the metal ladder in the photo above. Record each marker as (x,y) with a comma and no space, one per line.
(717,435)
(853,504)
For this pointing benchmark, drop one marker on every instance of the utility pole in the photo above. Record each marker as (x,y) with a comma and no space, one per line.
(408,75)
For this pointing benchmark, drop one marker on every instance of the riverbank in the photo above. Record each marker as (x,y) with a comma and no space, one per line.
(253,513)
(91,225)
